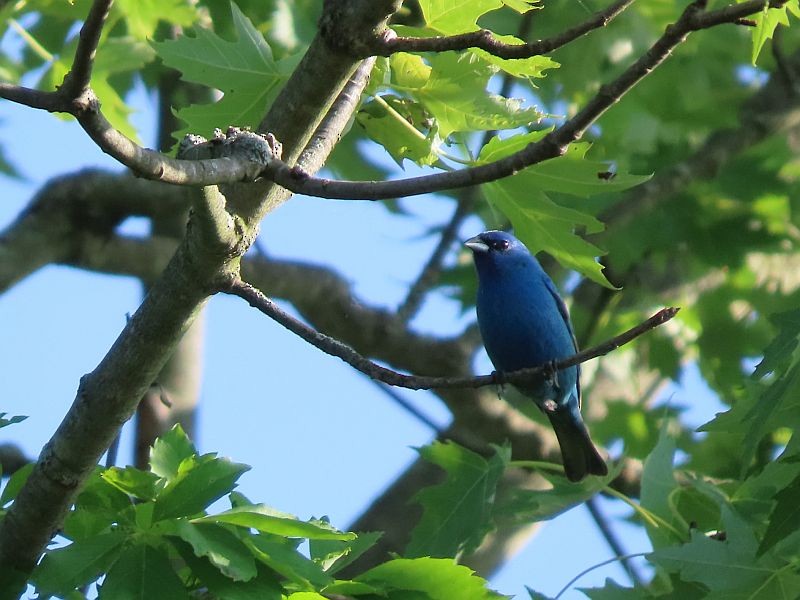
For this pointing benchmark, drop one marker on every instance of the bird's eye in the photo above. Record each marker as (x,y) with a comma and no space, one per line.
(501,245)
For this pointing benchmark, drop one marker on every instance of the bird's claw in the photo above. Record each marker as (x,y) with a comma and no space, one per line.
(549,406)
(551,374)
(500,384)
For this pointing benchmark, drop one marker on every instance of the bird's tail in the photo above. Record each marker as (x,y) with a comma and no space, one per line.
(577,450)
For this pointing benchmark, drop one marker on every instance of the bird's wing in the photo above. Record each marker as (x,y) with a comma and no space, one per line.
(562,308)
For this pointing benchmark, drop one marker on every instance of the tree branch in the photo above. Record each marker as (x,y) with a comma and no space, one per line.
(334,347)
(552,145)
(79,76)
(484,39)
(108,396)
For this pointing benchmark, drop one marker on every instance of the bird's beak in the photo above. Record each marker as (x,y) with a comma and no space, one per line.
(476,244)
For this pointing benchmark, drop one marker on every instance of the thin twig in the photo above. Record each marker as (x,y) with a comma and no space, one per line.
(485,40)
(597,566)
(334,347)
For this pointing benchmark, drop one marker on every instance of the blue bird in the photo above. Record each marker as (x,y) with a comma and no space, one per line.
(524,323)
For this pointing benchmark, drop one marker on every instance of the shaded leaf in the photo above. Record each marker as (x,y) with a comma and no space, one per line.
(11,420)
(65,569)
(457,512)
(334,555)
(286,560)
(196,486)
(658,482)
(223,549)
(785,517)
(264,586)
(142,572)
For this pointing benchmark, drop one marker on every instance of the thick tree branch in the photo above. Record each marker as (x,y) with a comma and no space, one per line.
(485,39)
(108,396)
(334,347)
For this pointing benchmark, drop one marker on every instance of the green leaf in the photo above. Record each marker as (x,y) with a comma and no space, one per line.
(269,520)
(785,517)
(539,222)
(334,555)
(658,482)
(391,122)
(436,578)
(350,588)
(10,421)
(523,506)
(456,16)
(243,70)
(142,16)
(263,586)
(286,560)
(222,548)
(766,23)
(142,572)
(65,569)
(457,512)
(135,482)
(542,224)
(169,451)
(456,95)
(522,6)
(728,566)
(571,173)
(533,66)
(197,486)
(613,591)
(107,503)
(778,354)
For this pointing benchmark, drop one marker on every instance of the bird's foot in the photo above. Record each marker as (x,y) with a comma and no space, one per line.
(500,385)
(549,406)
(551,373)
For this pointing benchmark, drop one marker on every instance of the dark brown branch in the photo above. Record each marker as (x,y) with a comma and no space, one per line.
(485,40)
(334,347)
(552,145)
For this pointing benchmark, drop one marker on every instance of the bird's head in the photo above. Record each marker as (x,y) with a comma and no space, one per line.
(498,250)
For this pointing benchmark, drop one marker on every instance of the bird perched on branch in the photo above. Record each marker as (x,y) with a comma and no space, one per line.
(524,323)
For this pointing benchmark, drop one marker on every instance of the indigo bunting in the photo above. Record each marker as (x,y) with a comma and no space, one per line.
(524,323)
